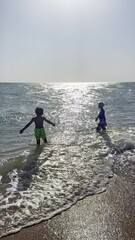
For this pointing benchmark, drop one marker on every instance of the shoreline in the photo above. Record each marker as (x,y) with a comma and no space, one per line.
(109,215)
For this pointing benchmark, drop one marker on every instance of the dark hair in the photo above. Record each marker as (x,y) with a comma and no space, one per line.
(101,104)
(39,111)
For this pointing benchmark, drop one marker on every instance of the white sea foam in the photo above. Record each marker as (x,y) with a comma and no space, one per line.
(68,175)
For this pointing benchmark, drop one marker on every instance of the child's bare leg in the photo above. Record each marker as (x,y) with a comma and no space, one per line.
(45,140)
(103,127)
(98,128)
(38,142)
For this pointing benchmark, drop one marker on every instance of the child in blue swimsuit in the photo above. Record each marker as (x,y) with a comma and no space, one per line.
(101,116)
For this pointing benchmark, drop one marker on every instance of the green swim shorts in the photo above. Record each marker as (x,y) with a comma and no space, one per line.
(40,133)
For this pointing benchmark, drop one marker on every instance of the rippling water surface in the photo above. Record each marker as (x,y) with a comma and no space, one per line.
(38,182)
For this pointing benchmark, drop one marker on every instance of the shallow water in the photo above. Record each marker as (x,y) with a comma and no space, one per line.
(38,182)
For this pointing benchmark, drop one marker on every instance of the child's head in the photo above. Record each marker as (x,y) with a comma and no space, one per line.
(39,111)
(101,105)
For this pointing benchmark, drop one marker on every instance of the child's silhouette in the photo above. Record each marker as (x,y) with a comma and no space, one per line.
(39,129)
(101,116)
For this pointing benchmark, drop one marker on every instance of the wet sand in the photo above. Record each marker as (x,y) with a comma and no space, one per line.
(107,216)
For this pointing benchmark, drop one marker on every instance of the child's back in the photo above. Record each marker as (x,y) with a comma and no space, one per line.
(38,120)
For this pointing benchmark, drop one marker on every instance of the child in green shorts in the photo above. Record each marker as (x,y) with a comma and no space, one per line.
(39,129)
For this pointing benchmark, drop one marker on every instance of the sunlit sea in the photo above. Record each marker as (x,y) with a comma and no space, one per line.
(37,183)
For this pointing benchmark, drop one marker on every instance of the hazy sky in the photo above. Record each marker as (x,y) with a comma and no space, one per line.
(67,40)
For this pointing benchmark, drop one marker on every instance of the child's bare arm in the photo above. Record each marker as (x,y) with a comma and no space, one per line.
(97,118)
(49,121)
(27,125)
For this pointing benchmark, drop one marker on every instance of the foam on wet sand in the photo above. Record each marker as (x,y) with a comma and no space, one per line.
(108,216)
